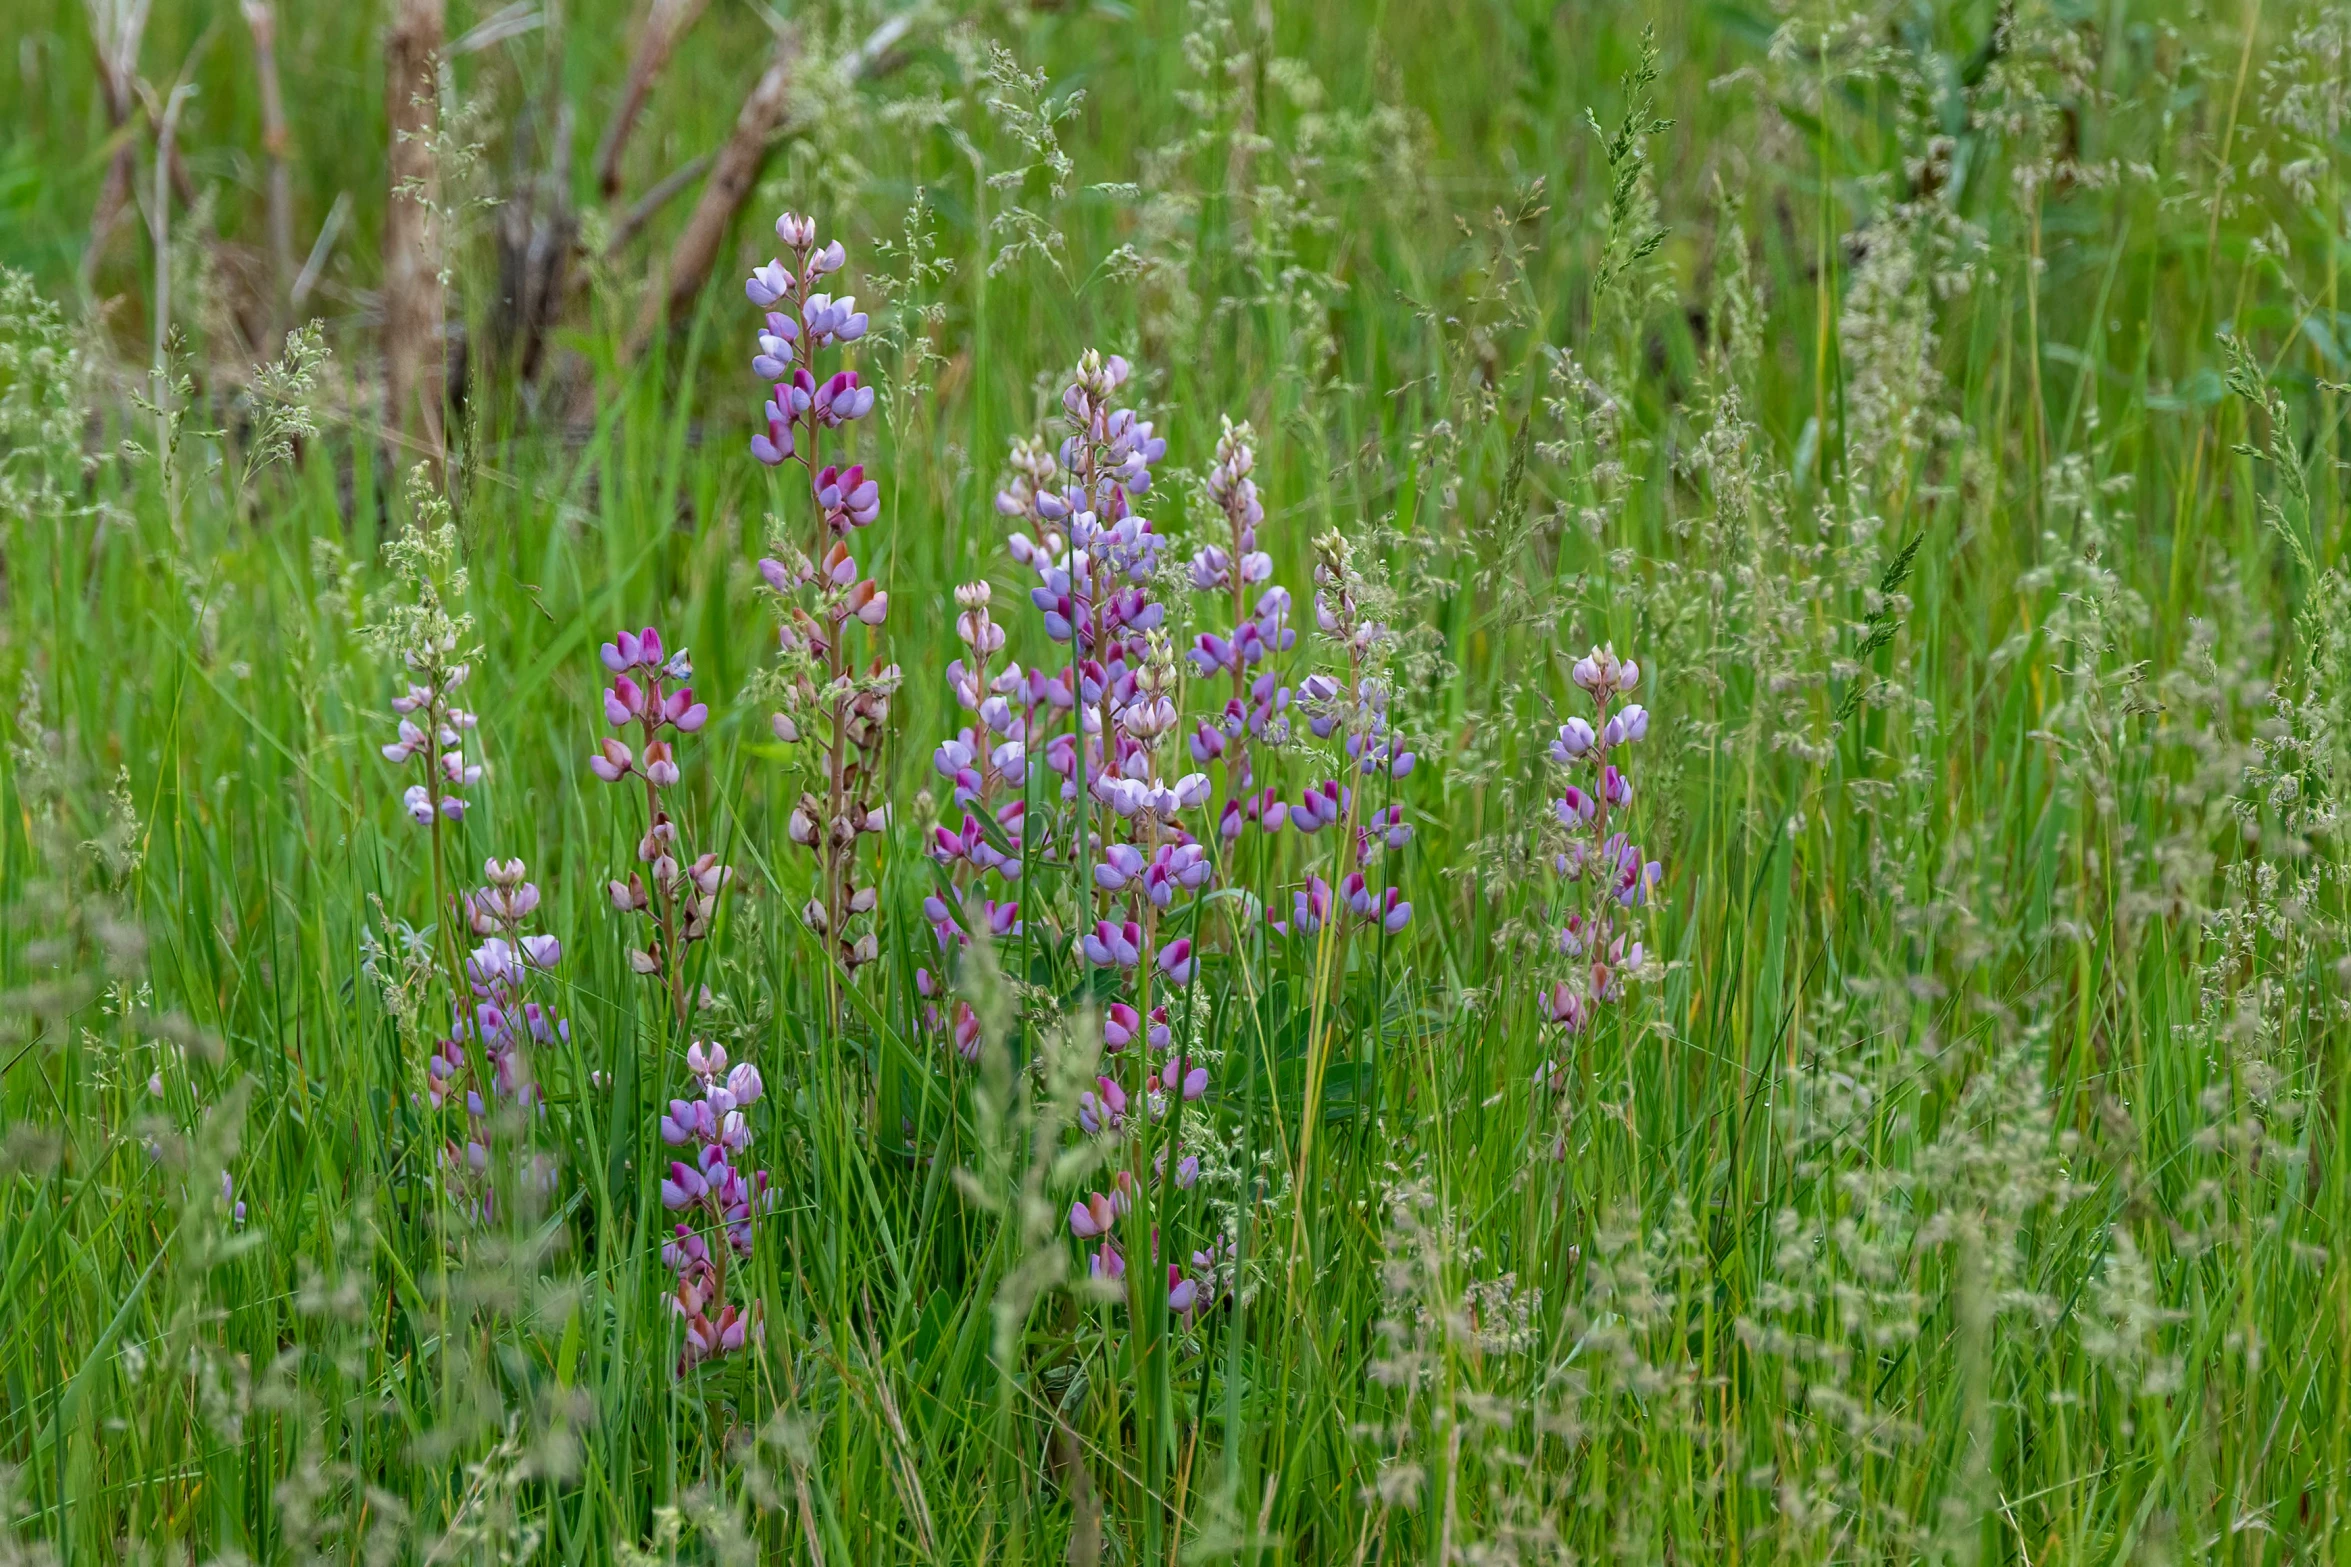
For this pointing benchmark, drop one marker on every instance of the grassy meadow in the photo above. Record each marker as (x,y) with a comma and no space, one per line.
(1939,1159)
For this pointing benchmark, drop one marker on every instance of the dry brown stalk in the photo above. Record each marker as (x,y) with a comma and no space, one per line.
(666,22)
(262,22)
(537,232)
(642,209)
(167,130)
(116,29)
(877,56)
(414,310)
(732,175)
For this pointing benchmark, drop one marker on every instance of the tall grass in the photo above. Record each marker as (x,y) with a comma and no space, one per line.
(1944,405)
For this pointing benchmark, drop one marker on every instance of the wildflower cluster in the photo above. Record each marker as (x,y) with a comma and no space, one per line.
(1123,820)
(1098,1214)
(716,1199)
(1602,866)
(677,896)
(822,697)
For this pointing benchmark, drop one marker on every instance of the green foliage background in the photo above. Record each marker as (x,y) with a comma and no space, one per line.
(1943,402)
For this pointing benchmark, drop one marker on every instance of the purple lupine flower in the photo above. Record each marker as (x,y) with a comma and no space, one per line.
(1110,945)
(1178,1074)
(1389,827)
(768,285)
(1102,1107)
(1600,673)
(840,400)
(966,1033)
(1310,908)
(773,361)
(431,733)
(1098,1214)
(1321,806)
(1121,863)
(848,497)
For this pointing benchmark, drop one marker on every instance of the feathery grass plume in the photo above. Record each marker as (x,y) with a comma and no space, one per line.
(425,626)
(1461,1417)
(1631,233)
(329,1507)
(1022,102)
(80,940)
(42,371)
(188,1366)
(279,402)
(2305,755)
(918,321)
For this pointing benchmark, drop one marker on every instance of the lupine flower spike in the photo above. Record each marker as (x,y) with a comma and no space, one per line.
(985,767)
(1241,575)
(716,1199)
(501,1018)
(491,1015)
(431,725)
(677,896)
(1349,702)
(822,696)
(1607,877)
